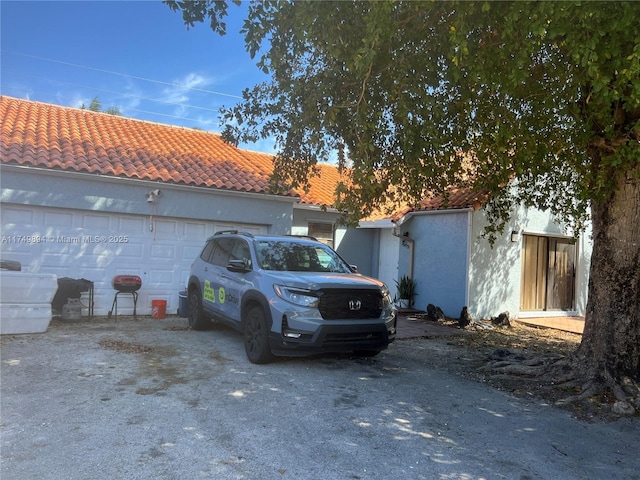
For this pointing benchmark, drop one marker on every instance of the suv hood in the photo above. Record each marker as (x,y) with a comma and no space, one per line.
(318,280)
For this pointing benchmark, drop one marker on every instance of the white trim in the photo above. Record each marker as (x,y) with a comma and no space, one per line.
(325,221)
(469,251)
(384,223)
(547,234)
(419,213)
(314,208)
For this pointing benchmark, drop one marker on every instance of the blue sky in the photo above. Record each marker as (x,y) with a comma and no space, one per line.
(135,55)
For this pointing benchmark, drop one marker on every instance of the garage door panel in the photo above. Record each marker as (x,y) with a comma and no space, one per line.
(97,224)
(221,227)
(57,219)
(195,230)
(190,253)
(100,277)
(163,227)
(161,277)
(56,259)
(18,247)
(132,250)
(16,216)
(163,252)
(131,225)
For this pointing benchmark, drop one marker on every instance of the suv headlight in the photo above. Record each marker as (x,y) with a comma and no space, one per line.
(386,296)
(296,296)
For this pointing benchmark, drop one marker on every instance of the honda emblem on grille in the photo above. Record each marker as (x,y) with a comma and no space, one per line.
(355,304)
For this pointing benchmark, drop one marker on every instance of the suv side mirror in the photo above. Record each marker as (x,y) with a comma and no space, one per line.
(237,266)
(354,268)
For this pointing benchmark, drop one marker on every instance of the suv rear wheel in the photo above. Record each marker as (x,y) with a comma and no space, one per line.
(197,319)
(256,336)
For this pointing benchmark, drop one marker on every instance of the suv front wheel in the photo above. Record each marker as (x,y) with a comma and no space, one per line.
(256,336)
(197,319)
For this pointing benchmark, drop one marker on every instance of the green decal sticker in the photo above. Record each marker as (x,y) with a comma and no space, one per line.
(209,293)
(221,294)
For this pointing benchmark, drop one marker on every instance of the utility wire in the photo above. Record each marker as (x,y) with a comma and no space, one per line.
(212,92)
(131,95)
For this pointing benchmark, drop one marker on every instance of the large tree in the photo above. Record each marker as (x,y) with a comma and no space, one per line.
(534,102)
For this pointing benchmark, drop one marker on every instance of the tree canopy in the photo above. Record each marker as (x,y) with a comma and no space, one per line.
(404,92)
(414,97)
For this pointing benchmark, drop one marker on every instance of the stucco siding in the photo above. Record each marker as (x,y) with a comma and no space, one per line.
(440,253)
(116,195)
(361,247)
(495,272)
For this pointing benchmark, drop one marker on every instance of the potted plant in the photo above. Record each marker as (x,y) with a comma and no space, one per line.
(406,291)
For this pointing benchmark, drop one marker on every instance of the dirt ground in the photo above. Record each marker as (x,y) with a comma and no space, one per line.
(514,359)
(510,358)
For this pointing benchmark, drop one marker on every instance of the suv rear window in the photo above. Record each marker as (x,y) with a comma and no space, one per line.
(298,257)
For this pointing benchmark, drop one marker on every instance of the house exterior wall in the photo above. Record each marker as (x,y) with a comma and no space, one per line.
(440,255)
(388,258)
(452,263)
(495,273)
(30,186)
(361,247)
(96,228)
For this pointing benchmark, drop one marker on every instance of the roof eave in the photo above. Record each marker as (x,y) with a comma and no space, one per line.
(439,211)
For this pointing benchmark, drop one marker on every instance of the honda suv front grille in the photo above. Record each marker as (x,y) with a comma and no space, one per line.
(350,304)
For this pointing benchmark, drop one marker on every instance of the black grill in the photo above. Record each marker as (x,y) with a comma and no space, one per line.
(350,304)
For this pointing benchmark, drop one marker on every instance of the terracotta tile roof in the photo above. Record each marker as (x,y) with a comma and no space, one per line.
(458,198)
(50,136)
(322,186)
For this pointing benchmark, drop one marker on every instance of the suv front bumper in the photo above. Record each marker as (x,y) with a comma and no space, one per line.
(354,336)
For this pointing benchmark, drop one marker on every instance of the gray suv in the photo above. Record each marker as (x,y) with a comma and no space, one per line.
(288,296)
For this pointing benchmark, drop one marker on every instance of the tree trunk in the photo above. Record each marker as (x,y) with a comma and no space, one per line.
(610,347)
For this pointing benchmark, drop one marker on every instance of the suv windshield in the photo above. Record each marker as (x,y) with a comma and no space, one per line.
(298,257)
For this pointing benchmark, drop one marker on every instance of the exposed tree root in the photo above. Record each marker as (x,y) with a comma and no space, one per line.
(539,363)
(561,382)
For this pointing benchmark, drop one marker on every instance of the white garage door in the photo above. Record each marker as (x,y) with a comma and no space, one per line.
(97,246)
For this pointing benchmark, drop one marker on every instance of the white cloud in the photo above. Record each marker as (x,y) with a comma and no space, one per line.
(182,91)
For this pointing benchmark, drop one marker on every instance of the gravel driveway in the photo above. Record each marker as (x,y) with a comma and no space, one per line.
(149,399)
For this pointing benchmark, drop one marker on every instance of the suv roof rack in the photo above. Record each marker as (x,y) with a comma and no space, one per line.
(234,232)
(308,237)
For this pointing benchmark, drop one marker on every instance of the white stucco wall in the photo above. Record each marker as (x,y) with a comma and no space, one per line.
(495,273)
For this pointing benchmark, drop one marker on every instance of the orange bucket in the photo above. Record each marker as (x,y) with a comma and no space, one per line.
(158,309)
